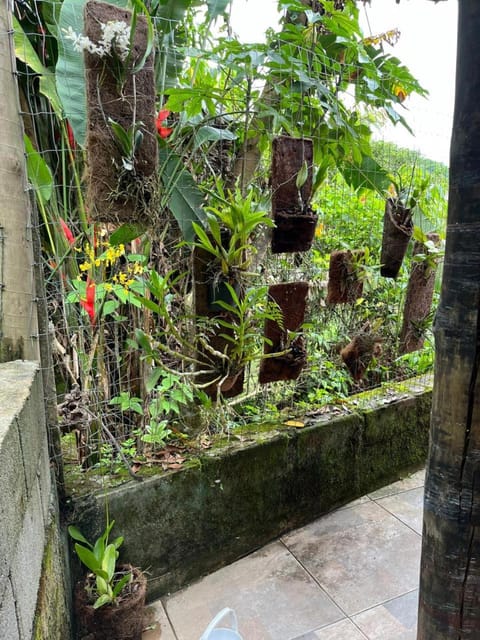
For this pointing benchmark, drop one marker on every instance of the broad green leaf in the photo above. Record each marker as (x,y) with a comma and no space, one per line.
(38,171)
(70,68)
(216,8)
(212,134)
(184,197)
(89,560)
(27,54)
(367,175)
(126,233)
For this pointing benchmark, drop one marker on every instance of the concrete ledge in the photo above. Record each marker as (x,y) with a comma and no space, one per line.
(184,524)
(27,493)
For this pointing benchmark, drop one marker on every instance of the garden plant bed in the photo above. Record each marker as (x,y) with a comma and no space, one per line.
(236,496)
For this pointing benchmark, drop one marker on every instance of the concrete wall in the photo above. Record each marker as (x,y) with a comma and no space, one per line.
(33,602)
(242,493)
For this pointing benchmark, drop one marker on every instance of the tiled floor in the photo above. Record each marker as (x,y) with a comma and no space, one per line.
(350,575)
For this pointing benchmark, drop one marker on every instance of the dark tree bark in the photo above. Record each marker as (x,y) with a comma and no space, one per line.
(449,606)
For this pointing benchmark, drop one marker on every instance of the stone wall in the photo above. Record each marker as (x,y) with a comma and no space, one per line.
(245,492)
(33,600)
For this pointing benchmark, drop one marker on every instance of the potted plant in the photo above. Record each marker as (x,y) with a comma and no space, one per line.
(292,169)
(400,205)
(109,602)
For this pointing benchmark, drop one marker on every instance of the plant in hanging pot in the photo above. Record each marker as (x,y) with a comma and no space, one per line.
(226,242)
(110,600)
(403,198)
(292,178)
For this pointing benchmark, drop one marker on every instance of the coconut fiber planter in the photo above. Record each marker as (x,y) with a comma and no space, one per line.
(344,283)
(359,352)
(123,620)
(208,293)
(295,221)
(418,300)
(397,231)
(115,194)
(292,299)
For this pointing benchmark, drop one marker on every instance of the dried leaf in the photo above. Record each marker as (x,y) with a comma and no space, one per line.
(295,423)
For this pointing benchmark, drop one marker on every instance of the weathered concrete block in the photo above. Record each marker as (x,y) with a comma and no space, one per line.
(8,620)
(26,564)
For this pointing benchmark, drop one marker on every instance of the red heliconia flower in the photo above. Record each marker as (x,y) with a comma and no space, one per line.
(66,232)
(89,303)
(71,137)
(163,132)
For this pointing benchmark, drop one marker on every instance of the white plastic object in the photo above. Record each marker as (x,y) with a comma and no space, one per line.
(221,633)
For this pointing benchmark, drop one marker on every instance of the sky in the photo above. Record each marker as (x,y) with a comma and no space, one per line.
(427,46)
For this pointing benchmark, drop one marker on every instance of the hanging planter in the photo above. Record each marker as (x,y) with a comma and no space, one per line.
(295,221)
(418,300)
(122,182)
(293,231)
(397,231)
(359,352)
(291,299)
(345,284)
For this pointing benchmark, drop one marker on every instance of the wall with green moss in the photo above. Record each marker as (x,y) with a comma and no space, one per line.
(238,496)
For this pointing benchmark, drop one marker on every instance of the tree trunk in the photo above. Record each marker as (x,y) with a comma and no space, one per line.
(18,313)
(449,606)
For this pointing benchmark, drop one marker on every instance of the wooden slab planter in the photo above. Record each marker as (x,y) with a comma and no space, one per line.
(397,231)
(418,300)
(344,282)
(292,299)
(294,219)
(115,194)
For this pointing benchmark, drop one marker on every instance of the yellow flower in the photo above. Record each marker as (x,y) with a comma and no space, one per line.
(400,92)
(108,286)
(319,230)
(85,266)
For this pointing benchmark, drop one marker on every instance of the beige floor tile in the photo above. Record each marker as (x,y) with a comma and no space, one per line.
(407,507)
(412,481)
(273,596)
(156,624)
(361,556)
(343,630)
(394,620)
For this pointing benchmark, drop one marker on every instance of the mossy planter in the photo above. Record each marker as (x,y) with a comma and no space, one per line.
(250,488)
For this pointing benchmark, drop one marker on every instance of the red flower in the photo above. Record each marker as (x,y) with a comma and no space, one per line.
(70,136)
(163,132)
(89,303)
(66,232)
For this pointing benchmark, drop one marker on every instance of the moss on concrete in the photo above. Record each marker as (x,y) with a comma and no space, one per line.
(246,491)
(52,615)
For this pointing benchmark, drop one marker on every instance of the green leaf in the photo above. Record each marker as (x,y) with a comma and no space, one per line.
(302,175)
(185,200)
(38,171)
(117,589)
(101,601)
(27,54)
(74,533)
(89,560)
(216,8)
(109,560)
(153,379)
(70,68)
(366,175)
(212,134)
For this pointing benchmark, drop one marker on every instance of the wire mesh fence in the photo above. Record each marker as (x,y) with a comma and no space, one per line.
(162,323)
